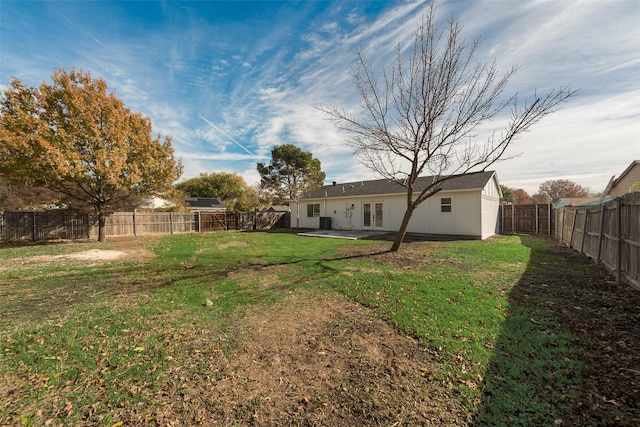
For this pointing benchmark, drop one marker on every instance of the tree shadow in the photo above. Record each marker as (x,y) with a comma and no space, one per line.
(68,286)
(569,349)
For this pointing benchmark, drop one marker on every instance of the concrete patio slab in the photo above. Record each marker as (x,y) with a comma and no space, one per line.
(343,234)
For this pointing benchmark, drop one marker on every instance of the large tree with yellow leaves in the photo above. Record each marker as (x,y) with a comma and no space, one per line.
(74,137)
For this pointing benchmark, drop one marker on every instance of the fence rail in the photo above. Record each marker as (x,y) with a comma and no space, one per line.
(52,225)
(607,233)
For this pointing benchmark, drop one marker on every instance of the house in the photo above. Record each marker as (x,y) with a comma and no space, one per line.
(203,204)
(580,201)
(622,184)
(466,206)
(278,208)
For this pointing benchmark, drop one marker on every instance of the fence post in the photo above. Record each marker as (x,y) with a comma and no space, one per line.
(537,220)
(170,222)
(549,219)
(34,233)
(560,212)
(573,226)
(584,231)
(134,223)
(603,211)
(199,222)
(619,237)
(513,219)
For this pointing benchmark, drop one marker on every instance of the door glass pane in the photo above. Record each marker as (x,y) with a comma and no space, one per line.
(378,215)
(366,209)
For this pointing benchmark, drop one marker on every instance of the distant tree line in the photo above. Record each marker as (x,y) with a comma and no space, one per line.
(548,192)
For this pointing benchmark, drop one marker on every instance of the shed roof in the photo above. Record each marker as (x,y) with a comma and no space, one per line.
(203,203)
(469,181)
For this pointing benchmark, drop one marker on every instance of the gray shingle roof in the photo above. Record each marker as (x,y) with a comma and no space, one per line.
(205,203)
(470,181)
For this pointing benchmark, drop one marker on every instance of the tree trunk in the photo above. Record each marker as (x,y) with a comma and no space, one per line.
(403,228)
(297,214)
(102,229)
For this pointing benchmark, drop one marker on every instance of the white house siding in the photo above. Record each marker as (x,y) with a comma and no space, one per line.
(463,220)
(427,218)
(490,209)
(474,212)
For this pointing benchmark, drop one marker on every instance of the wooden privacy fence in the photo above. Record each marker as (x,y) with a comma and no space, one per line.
(46,225)
(51,225)
(527,219)
(608,233)
(138,223)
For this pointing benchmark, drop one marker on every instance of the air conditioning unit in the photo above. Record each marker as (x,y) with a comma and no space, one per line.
(325,223)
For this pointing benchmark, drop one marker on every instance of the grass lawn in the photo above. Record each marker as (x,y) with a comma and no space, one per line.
(253,328)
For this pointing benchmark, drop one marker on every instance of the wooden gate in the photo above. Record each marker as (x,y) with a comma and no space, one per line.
(216,221)
(526,219)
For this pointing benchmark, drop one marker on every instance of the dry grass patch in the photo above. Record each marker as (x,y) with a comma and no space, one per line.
(322,360)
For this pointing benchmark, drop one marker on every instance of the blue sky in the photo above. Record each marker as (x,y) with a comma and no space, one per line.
(230,80)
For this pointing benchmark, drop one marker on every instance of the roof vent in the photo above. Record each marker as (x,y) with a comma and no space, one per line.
(334,183)
(343,189)
(325,194)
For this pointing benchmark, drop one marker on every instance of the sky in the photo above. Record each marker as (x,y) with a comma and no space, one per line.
(229,80)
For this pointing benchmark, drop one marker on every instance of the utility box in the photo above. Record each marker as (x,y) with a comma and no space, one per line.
(325,223)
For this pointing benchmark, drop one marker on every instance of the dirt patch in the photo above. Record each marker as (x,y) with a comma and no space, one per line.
(232,244)
(315,361)
(87,252)
(88,257)
(412,255)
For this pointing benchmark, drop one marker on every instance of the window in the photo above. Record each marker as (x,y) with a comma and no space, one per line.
(313,209)
(445,204)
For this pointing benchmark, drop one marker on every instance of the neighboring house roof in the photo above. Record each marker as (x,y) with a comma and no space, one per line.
(205,204)
(282,208)
(580,201)
(470,181)
(627,178)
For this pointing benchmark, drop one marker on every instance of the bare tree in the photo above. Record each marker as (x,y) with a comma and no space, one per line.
(423,115)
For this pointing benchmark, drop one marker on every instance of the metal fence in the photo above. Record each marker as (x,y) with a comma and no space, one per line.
(607,233)
(53,225)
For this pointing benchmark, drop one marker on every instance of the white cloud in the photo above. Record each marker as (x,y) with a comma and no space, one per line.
(258,82)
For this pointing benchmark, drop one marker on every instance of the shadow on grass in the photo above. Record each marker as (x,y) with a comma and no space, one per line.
(569,350)
(36,297)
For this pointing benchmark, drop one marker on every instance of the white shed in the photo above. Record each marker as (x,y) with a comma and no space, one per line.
(467,206)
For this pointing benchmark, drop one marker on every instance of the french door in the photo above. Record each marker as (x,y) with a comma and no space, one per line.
(372,217)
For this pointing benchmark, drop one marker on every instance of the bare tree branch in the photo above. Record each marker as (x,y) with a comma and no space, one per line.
(424,114)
